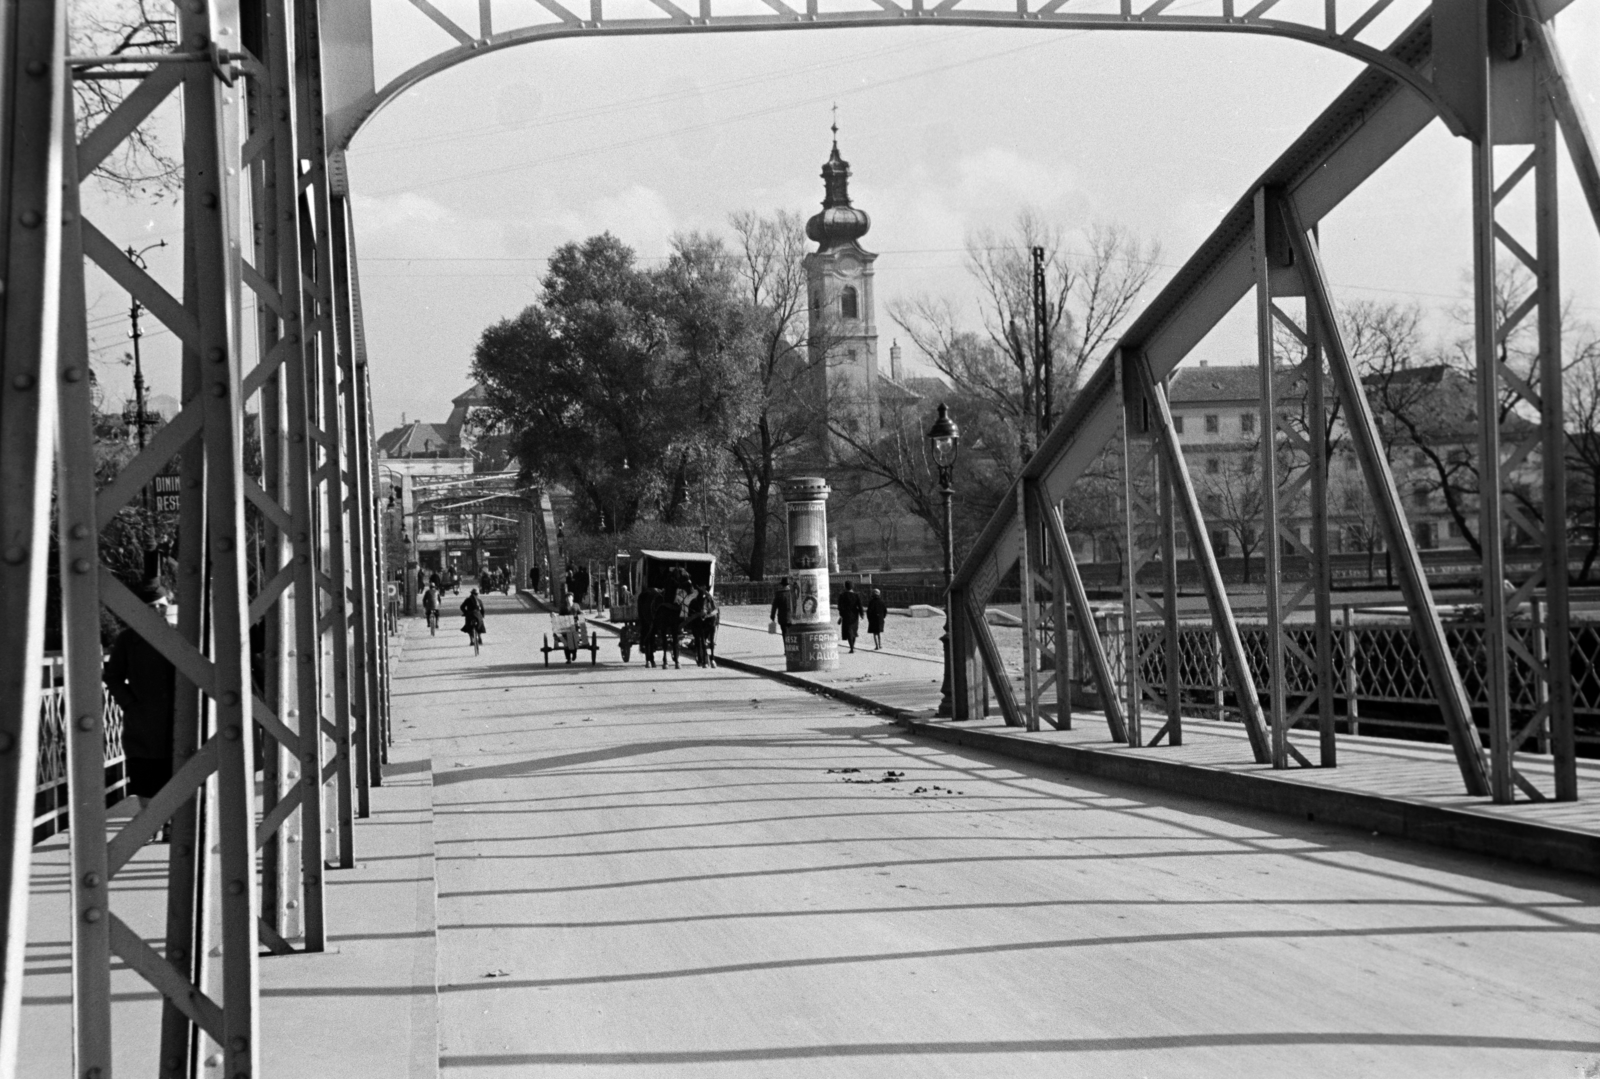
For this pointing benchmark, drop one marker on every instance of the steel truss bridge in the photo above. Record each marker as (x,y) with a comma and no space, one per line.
(274,90)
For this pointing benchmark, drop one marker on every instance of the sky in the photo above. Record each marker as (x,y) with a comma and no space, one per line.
(464,184)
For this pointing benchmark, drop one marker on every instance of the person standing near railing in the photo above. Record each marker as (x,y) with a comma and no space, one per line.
(143,682)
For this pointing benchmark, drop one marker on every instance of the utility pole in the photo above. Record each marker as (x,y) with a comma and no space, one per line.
(141,419)
(1044,396)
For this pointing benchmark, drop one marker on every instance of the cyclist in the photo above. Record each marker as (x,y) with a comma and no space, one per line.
(430,607)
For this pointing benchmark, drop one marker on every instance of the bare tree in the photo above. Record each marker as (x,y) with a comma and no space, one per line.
(140,166)
(1582,400)
(1233,496)
(1088,297)
(768,255)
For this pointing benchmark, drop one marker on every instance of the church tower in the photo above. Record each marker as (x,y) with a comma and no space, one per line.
(844,332)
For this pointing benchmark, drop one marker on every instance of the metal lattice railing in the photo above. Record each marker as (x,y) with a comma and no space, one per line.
(51,800)
(1378,669)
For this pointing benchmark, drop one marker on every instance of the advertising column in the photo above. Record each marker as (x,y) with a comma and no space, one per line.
(810,643)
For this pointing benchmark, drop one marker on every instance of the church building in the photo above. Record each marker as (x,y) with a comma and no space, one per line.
(855,400)
(844,333)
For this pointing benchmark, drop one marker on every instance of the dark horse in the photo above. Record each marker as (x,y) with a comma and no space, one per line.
(666,625)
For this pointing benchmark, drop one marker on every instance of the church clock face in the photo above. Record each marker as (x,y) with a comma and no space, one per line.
(849,267)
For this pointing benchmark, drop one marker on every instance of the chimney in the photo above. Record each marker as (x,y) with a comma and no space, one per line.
(894,361)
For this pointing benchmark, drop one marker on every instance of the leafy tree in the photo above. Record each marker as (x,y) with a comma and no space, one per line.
(621,383)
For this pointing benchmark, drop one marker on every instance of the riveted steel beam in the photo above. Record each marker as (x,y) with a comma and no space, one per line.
(32,41)
(1336,25)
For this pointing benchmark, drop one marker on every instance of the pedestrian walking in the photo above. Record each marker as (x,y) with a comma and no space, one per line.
(877,611)
(702,622)
(472,608)
(430,609)
(143,682)
(580,586)
(849,615)
(649,599)
(778,617)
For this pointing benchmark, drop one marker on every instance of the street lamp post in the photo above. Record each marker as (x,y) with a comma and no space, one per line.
(140,417)
(945,439)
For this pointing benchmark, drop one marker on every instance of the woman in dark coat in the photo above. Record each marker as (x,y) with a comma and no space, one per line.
(142,681)
(877,611)
(849,615)
(472,608)
(649,599)
(781,598)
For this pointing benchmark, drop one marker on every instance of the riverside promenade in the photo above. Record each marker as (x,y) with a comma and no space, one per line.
(618,871)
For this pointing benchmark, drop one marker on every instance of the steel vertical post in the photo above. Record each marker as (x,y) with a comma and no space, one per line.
(331,471)
(80,637)
(1496,665)
(1172,730)
(211,160)
(1272,545)
(358,589)
(1321,564)
(32,39)
(1557,660)
(297,340)
(1030,621)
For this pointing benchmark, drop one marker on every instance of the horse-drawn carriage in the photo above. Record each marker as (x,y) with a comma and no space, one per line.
(640,570)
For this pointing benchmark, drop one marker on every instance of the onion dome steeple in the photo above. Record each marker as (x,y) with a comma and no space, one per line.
(839,223)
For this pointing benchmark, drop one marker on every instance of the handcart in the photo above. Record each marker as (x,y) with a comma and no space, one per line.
(572,634)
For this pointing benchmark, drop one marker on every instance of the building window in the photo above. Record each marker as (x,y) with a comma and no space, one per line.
(1420,496)
(816,303)
(1212,427)
(1213,465)
(847,302)
(452,522)
(1177,424)
(1247,464)
(1424,530)
(1219,543)
(425,524)
(1247,423)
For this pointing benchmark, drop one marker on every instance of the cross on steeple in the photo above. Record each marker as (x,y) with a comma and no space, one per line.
(835,125)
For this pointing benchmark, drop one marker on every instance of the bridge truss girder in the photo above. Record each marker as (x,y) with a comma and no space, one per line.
(252,83)
(1513,94)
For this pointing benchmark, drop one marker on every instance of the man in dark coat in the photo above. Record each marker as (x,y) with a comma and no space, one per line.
(647,615)
(142,681)
(849,615)
(877,611)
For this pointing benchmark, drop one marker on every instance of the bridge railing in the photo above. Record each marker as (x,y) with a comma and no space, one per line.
(1381,684)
